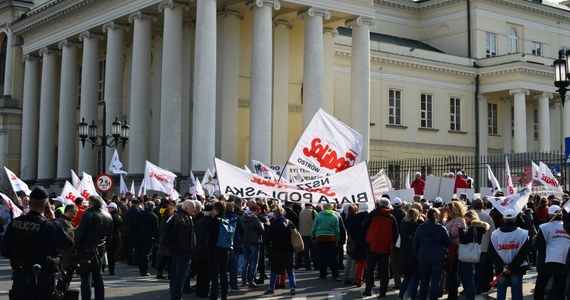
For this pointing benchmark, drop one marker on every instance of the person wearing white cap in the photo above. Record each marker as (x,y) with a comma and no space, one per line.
(399,214)
(418,184)
(510,247)
(59,205)
(552,243)
(115,239)
(460,182)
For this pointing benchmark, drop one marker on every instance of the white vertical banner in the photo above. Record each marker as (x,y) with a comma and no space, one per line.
(493,180)
(381,183)
(75,181)
(508,177)
(122,187)
(535,171)
(546,178)
(132,189)
(407,184)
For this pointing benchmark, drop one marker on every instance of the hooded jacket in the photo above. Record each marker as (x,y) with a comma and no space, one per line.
(430,242)
(252,229)
(466,237)
(326,225)
(381,230)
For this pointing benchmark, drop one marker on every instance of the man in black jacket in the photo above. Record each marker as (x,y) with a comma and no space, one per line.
(146,231)
(93,232)
(399,214)
(179,240)
(115,238)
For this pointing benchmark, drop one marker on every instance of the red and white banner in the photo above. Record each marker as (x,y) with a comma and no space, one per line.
(87,187)
(158,179)
(69,193)
(264,171)
(75,181)
(493,180)
(508,177)
(17,183)
(380,184)
(123,189)
(327,146)
(516,201)
(349,186)
(16,211)
(545,177)
(115,166)
(535,171)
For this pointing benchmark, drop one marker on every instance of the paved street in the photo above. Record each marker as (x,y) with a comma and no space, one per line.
(126,285)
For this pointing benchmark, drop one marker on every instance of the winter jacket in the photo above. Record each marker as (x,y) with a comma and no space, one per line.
(179,234)
(466,237)
(356,232)
(95,229)
(484,217)
(326,226)
(408,261)
(399,214)
(453,230)
(306,218)
(252,229)
(430,242)
(381,231)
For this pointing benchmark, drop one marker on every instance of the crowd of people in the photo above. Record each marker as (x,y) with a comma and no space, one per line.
(214,246)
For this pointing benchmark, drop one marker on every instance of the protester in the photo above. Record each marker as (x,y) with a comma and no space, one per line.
(164,260)
(115,240)
(145,229)
(399,214)
(510,246)
(460,182)
(541,211)
(66,265)
(218,253)
(278,236)
(80,210)
(200,253)
(409,265)
(418,184)
(454,220)
(474,234)
(484,268)
(428,245)
(252,238)
(358,235)
(552,244)
(306,218)
(326,233)
(179,243)
(350,266)
(381,235)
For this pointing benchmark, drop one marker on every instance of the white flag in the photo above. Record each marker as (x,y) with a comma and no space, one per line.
(132,189)
(122,187)
(493,180)
(208,177)
(142,190)
(69,193)
(115,166)
(535,171)
(158,179)
(546,178)
(87,187)
(516,201)
(327,146)
(16,211)
(508,178)
(407,185)
(173,195)
(17,183)
(195,187)
(381,183)
(263,170)
(75,181)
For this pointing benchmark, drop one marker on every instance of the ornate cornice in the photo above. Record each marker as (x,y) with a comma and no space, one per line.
(139,15)
(68,43)
(281,22)
(230,12)
(172,4)
(261,3)
(114,25)
(360,21)
(516,70)
(314,11)
(89,35)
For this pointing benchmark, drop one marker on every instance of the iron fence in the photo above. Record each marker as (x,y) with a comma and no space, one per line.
(475,167)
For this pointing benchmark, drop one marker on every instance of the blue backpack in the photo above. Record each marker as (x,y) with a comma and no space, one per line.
(226,234)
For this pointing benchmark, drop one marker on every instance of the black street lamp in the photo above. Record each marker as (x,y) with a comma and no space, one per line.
(119,135)
(561,73)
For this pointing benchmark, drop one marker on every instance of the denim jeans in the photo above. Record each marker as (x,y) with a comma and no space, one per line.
(233,269)
(382,261)
(179,269)
(97,277)
(409,286)
(290,275)
(251,257)
(430,273)
(467,279)
(516,286)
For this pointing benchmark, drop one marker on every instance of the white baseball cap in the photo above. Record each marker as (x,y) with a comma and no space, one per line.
(510,214)
(552,210)
(438,200)
(112,205)
(397,201)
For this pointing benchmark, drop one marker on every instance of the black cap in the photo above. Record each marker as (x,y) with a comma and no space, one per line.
(39,193)
(21,193)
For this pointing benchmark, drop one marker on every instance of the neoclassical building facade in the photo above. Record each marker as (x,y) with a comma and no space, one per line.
(240,80)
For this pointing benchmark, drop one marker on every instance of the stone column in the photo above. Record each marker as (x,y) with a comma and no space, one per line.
(156,82)
(313,64)
(329,36)
(171,87)
(30,113)
(3,146)
(48,107)
(228,84)
(507,125)
(261,80)
(8,63)
(360,80)
(565,120)
(139,112)
(187,64)
(556,144)
(204,94)
(520,119)
(280,133)
(114,69)
(67,138)
(89,96)
(483,126)
(17,70)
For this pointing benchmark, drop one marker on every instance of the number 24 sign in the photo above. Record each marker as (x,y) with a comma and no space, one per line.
(104,182)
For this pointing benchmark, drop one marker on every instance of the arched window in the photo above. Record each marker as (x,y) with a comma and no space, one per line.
(513,40)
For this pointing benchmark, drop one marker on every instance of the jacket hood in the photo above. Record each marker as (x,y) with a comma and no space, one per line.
(384,211)
(480,224)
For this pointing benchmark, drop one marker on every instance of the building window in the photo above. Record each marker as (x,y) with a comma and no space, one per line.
(513,41)
(394,107)
(536,48)
(535,123)
(490,45)
(455,114)
(492,121)
(426,110)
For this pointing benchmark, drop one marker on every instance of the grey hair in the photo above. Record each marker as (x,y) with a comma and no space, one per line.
(383,202)
(187,203)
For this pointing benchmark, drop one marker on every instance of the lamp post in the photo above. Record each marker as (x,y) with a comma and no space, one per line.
(562,81)
(119,135)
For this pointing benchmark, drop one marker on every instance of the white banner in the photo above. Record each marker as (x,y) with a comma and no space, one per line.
(407,184)
(406,195)
(546,178)
(494,181)
(349,186)
(327,146)
(157,179)
(439,187)
(535,171)
(16,211)
(17,183)
(75,181)
(122,187)
(516,201)
(509,178)
(115,166)
(87,187)
(380,184)
(132,189)
(69,193)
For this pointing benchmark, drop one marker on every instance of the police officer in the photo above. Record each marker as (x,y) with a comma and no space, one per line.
(31,243)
